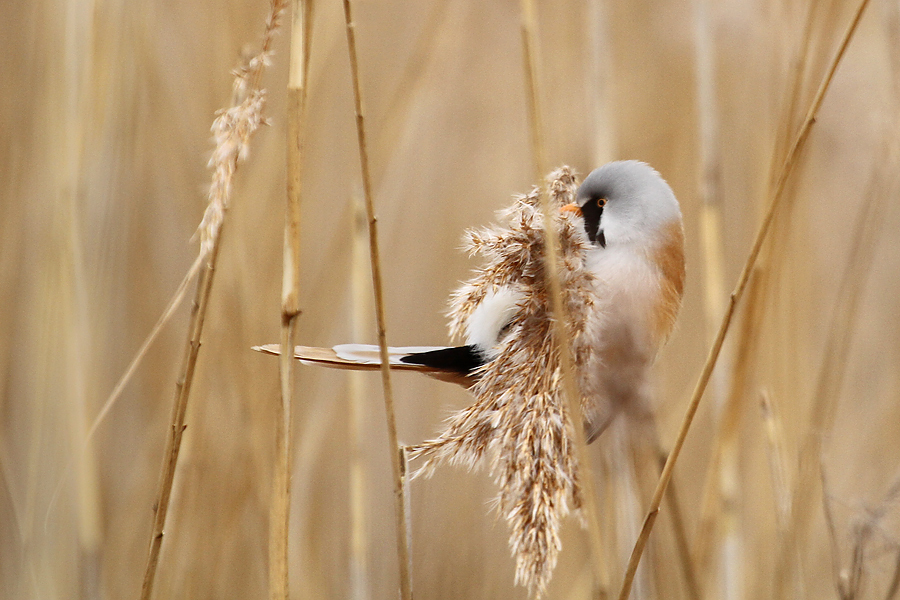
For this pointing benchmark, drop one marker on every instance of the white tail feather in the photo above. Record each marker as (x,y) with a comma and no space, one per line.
(361,357)
(368,354)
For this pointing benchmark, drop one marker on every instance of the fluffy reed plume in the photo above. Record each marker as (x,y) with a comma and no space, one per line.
(233,127)
(519,419)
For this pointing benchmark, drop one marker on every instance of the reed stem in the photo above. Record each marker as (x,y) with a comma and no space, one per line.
(394,446)
(279,515)
(785,173)
(179,410)
(557,309)
(232,130)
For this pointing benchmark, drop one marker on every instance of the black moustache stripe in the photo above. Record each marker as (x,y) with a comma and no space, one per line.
(592,214)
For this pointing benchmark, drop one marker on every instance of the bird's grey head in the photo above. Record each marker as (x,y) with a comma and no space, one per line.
(625,201)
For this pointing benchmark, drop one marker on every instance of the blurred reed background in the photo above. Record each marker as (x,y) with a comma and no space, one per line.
(105,127)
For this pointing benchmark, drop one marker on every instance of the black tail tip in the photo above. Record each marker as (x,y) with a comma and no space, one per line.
(459,359)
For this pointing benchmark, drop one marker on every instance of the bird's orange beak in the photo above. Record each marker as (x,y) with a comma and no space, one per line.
(572,208)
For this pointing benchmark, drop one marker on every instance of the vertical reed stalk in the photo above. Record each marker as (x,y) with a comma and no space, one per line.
(710,172)
(778,277)
(658,572)
(607,512)
(790,109)
(831,375)
(601,82)
(232,129)
(727,432)
(361,326)
(785,173)
(776,455)
(532,92)
(399,501)
(279,515)
(720,473)
(557,310)
(179,410)
(685,559)
(72,299)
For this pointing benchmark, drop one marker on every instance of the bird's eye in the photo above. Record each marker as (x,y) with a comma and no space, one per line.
(601,202)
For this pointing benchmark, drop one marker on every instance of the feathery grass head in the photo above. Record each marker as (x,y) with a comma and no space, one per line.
(519,419)
(233,128)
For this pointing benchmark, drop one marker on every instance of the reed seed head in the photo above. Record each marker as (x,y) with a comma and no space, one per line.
(519,420)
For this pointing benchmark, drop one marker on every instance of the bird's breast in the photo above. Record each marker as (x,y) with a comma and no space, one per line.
(627,289)
(639,293)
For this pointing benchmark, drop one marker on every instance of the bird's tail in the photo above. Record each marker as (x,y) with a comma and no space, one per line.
(364,357)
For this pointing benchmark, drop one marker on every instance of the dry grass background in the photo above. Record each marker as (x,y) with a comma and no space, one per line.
(105,125)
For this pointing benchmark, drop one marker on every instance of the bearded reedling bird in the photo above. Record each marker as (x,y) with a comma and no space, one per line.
(636,254)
